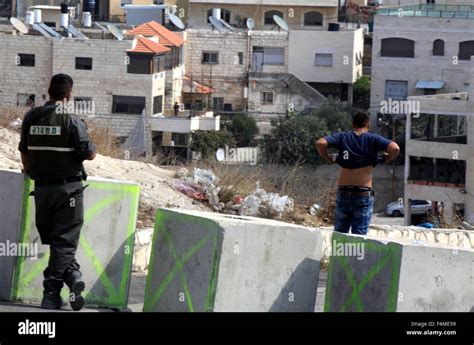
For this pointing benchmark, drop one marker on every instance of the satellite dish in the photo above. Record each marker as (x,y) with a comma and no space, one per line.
(226,24)
(250,24)
(115,31)
(280,22)
(176,21)
(220,155)
(19,25)
(217,23)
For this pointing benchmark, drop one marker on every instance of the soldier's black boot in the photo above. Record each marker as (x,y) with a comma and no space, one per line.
(76,286)
(52,294)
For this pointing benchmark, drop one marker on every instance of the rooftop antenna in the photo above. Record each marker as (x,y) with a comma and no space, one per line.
(114,30)
(281,23)
(176,21)
(216,23)
(19,25)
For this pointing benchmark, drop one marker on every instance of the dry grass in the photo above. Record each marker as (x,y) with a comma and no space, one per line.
(9,114)
(442,221)
(240,180)
(105,142)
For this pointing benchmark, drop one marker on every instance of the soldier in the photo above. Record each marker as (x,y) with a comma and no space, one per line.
(53,146)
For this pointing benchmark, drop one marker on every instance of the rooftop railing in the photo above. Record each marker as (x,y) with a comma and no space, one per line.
(430,10)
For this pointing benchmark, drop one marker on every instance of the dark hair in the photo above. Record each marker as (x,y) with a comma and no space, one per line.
(361,120)
(60,87)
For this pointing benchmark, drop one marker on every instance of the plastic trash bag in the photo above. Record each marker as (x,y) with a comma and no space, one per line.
(205,177)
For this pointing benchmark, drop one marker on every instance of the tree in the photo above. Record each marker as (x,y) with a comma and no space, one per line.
(292,139)
(208,142)
(244,129)
(361,93)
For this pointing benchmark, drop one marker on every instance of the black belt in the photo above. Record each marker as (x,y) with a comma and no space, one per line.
(57,181)
(346,192)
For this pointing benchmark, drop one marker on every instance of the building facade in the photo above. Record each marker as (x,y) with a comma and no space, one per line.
(422,52)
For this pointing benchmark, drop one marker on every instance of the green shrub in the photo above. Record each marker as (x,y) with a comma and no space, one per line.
(208,142)
(244,129)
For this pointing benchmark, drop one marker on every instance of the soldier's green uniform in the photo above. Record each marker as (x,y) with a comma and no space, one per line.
(56,145)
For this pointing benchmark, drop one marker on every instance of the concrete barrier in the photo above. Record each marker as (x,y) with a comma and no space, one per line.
(397,276)
(105,250)
(11,186)
(214,262)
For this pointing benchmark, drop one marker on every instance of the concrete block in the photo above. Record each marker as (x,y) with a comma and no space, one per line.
(11,185)
(213,262)
(398,276)
(106,245)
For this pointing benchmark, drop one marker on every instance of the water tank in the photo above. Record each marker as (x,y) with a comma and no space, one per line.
(216,12)
(64,19)
(88,6)
(37,15)
(30,17)
(333,27)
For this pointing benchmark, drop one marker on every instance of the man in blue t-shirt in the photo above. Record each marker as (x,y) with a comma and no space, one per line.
(357,157)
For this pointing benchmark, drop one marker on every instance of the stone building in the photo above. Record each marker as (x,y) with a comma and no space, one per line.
(267,70)
(439,166)
(122,80)
(425,51)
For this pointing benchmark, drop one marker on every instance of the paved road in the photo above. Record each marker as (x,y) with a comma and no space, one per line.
(382,219)
(136,297)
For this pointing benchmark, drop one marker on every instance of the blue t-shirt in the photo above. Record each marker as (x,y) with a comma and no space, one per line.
(357,151)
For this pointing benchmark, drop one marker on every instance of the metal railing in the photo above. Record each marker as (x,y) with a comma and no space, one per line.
(430,10)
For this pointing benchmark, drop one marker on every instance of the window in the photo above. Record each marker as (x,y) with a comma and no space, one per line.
(313,19)
(145,63)
(323,60)
(466,50)
(396,89)
(210,57)
(225,15)
(128,104)
(27,60)
(218,103)
(84,63)
(398,47)
(269,17)
(25,100)
(273,56)
(241,58)
(267,97)
(157,104)
(179,139)
(438,48)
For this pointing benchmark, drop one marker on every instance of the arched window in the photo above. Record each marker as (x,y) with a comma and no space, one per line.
(313,18)
(398,47)
(438,47)
(225,15)
(466,50)
(269,17)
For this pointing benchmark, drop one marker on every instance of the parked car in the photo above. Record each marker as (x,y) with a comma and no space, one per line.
(395,208)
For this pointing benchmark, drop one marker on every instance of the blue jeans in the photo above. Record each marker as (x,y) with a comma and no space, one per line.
(353,212)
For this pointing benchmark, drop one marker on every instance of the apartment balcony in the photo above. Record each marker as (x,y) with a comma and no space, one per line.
(184,123)
(447,103)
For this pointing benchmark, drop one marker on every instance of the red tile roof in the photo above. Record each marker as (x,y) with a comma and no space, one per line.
(166,37)
(145,45)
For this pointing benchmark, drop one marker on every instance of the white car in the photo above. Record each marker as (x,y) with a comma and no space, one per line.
(395,208)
